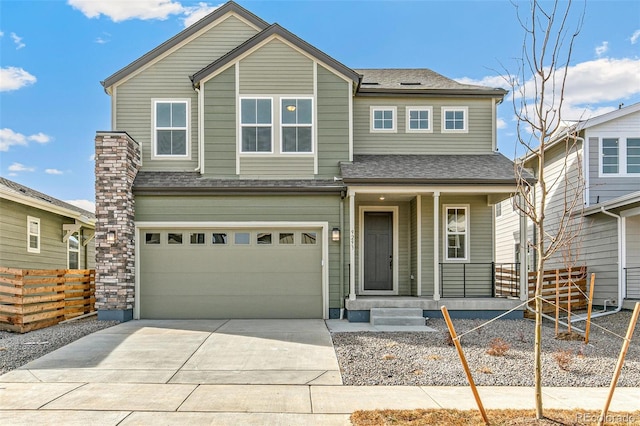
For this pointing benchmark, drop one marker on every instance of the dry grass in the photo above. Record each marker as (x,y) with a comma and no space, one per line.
(496,417)
(498,347)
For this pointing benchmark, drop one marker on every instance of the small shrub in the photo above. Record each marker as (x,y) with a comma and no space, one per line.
(498,347)
(418,372)
(448,340)
(433,357)
(522,336)
(485,370)
(388,357)
(563,359)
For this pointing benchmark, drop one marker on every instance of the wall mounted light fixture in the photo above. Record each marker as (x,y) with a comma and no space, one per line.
(111,237)
(335,234)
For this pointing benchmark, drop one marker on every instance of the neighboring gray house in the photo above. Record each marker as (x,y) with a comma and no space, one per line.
(607,155)
(250,175)
(40,232)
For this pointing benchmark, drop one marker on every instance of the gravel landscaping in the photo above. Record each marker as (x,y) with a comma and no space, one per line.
(428,358)
(18,349)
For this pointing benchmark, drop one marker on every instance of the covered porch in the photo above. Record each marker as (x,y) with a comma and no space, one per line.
(426,240)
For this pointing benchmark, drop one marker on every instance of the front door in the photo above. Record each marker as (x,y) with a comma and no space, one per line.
(378,251)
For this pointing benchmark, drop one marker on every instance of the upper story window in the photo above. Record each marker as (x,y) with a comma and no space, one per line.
(455,120)
(419,119)
(297,125)
(620,156)
(171,128)
(383,119)
(33,234)
(457,230)
(256,121)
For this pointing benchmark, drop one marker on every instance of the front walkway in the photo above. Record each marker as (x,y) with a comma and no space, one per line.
(257,372)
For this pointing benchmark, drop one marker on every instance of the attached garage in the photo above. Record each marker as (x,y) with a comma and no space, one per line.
(199,272)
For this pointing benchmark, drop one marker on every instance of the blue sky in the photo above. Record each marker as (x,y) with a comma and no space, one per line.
(54,53)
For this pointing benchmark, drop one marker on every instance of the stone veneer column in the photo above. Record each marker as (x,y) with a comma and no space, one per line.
(117,164)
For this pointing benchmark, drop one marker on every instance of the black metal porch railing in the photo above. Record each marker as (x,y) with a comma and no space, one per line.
(479,280)
(632,282)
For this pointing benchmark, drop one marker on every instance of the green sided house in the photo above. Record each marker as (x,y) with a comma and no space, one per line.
(250,175)
(38,231)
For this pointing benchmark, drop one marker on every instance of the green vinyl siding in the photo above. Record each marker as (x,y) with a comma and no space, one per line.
(220,124)
(333,122)
(285,208)
(169,78)
(427,245)
(478,139)
(276,68)
(53,251)
(276,167)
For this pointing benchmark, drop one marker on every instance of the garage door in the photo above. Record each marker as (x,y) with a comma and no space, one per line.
(221,273)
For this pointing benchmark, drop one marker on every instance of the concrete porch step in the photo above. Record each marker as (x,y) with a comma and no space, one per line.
(396,317)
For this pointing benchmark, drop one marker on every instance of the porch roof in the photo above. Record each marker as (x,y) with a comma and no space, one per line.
(194,182)
(480,169)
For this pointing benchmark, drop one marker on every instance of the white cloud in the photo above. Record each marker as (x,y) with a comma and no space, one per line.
(83,204)
(501,124)
(602,49)
(9,138)
(18,41)
(195,13)
(119,11)
(14,78)
(53,172)
(488,81)
(92,157)
(1,34)
(40,138)
(635,37)
(18,167)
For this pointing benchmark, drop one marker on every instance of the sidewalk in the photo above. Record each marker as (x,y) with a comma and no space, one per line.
(132,403)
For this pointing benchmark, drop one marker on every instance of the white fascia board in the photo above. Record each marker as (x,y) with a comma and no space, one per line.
(234,224)
(43,205)
(633,197)
(609,116)
(454,189)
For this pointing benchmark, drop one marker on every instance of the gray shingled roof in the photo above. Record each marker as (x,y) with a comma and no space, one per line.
(412,80)
(431,169)
(193,182)
(25,191)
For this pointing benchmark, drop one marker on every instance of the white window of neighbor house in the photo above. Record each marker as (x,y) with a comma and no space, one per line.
(73,251)
(33,234)
(171,128)
(457,232)
(455,120)
(610,156)
(419,119)
(296,117)
(256,122)
(383,119)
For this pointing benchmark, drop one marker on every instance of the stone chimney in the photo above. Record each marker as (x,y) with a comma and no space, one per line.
(117,163)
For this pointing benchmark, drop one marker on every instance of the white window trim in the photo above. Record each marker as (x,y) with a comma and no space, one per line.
(69,250)
(455,108)
(394,111)
(312,125)
(429,109)
(154,142)
(445,232)
(240,125)
(29,234)
(622,156)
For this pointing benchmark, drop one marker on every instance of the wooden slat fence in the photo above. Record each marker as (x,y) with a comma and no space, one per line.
(574,280)
(31,298)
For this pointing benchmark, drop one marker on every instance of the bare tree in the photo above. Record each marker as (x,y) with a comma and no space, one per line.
(538,93)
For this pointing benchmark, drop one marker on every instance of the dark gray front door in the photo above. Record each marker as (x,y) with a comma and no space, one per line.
(378,251)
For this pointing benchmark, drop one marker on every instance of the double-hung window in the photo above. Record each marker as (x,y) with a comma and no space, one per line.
(33,234)
(455,120)
(457,233)
(73,251)
(620,156)
(171,130)
(383,119)
(297,125)
(419,119)
(256,121)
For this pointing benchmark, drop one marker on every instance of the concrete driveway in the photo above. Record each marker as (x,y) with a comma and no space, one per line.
(281,352)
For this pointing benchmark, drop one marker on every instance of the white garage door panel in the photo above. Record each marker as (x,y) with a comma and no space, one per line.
(230,281)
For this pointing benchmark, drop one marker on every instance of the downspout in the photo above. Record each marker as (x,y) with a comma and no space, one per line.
(197,169)
(342,195)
